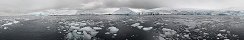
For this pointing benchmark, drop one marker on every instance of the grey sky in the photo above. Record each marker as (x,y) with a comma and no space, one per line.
(15,7)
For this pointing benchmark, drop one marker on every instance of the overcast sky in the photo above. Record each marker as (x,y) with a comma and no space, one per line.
(15,7)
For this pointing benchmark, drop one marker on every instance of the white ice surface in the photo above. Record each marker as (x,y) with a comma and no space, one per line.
(113,29)
(136,24)
(147,28)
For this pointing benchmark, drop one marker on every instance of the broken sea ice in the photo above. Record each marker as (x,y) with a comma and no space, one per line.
(113,29)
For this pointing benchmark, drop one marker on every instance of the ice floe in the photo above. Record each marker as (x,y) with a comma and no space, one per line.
(9,22)
(147,28)
(136,24)
(97,28)
(5,28)
(83,24)
(69,36)
(86,29)
(219,34)
(226,39)
(113,29)
(87,36)
(169,31)
(222,30)
(15,21)
(139,27)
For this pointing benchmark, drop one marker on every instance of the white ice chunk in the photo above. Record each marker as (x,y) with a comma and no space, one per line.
(60,22)
(206,33)
(7,24)
(5,28)
(83,24)
(69,36)
(97,28)
(115,34)
(147,28)
(228,31)
(158,23)
(169,31)
(48,27)
(15,21)
(165,29)
(113,29)
(165,24)
(222,30)
(130,19)
(139,27)
(64,30)
(204,39)
(86,29)
(161,38)
(226,39)
(90,30)
(76,35)
(123,21)
(74,31)
(79,32)
(83,21)
(219,34)
(93,33)
(107,33)
(72,23)
(87,36)
(73,27)
(27,19)
(187,35)
(136,24)
(76,24)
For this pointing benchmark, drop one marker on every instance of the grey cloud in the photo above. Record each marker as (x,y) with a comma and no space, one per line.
(133,3)
(214,4)
(23,6)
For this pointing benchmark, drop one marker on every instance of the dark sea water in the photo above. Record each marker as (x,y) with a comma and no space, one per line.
(180,27)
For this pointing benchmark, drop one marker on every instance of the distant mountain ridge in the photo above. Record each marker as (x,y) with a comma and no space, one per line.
(131,11)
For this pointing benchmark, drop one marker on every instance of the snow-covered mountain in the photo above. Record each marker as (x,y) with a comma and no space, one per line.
(110,11)
(124,11)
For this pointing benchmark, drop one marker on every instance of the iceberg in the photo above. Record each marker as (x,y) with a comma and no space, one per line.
(126,11)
